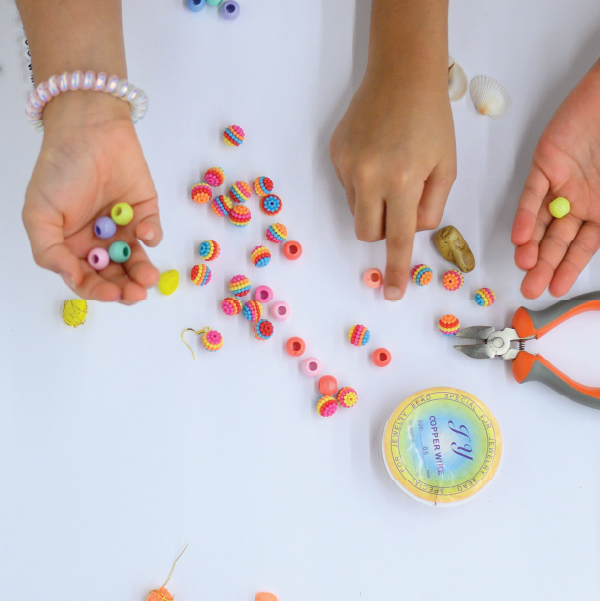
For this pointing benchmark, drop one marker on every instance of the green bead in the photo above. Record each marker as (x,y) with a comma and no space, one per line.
(121,213)
(559,207)
(119,251)
(213,2)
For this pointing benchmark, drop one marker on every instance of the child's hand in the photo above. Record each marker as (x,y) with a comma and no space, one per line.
(90,160)
(394,153)
(566,163)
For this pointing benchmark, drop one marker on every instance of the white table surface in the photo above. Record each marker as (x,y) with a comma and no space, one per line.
(116,448)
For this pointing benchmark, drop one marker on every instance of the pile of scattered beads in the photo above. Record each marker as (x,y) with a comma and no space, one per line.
(240,215)
(201,193)
(212,340)
(240,192)
(239,286)
(234,135)
(209,250)
(449,325)
(453,280)
(347,397)
(260,256)
(200,275)
(221,205)
(263,186)
(271,204)
(277,233)
(253,310)
(359,335)
(326,406)
(215,176)
(231,306)
(485,297)
(263,330)
(421,275)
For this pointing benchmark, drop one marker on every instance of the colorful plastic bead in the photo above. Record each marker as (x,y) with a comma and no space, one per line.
(230,10)
(373,278)
(200,275)
(196,5)
(263,330)
(328,385)
(295,346)
(168,282)
(122,213)
(421,275)
(260,256)
(359,335)
(559,207)
(264,294)
(231,306)
(453,280)
(119,251)
(280,311)
(277,233)
(202,193)
(485,297)
(253,310)
(292,250)
(240,286)
(240,192)
(75,312)
(221,205)
(326,406)
(215,176)
(381,357)
(271,204)
(98,258)
(311,367)
(212,340)
(234,135)
(105,228)
(347,397)
(449,325)
(263,185)
(240,215)
(209,250)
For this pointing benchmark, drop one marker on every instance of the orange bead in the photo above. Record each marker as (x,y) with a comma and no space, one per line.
(265,597)
(328,385)
(381,357)
(292,250)
(295,347)
(373,278)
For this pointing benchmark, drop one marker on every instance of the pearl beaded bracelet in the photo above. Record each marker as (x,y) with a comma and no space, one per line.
(78,80)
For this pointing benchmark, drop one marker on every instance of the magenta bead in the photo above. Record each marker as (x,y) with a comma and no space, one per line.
(311,367)
(98,258)
(280,311)
(264,294)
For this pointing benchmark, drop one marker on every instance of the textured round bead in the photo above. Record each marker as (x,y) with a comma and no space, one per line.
(280,311)
(292,250)
(263,185)
(105,228)
(381,357)
(221,205)
(209,250)
(168,282)
(485,297)
(234,135)
(240,286)
(421,275)
(240,192)
(253,310)
(347,397)
(264,294)
(311,367)
(201,193)
(326,406)
(196,5)
(449,325)
(453,280)
(277,233)
(119,251)
(98,258)
(359,335)
(260,256)
(212,340)
(271,204)
(75,312)
(200,275)
(240,215)
(295,346)
(559,207)
(215,176)
(373,278)
(122,213)
(328,385)
(263,329)
(231,306)
(230,10)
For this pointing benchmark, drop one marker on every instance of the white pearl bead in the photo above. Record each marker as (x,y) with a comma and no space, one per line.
(88,80)
(100,82)
(53,86)
(63,82)
(111,84)
(121,89)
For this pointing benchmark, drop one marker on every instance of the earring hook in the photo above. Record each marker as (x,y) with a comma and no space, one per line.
(197,332)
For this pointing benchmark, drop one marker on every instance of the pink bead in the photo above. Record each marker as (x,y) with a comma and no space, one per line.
(311,367)
(264,294)
(76,80)
(280,311)
(98,258)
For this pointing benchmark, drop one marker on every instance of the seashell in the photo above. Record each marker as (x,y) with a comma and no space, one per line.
(457,80)
(489,97)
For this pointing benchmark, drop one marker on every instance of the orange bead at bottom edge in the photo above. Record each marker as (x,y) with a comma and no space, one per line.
(265,597)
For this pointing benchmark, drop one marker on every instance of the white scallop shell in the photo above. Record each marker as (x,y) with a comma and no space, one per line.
(489,97)
(457,80)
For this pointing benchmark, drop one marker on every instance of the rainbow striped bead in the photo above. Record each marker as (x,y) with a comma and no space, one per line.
(200,275)
(221,205)
(239,286)
(263,185)
(201,193)
(240,215)
(347,397)
(326,406)
(453,280)
(212,340)
(215,176)
(277,233)
(449,325)
(271,204)
(231,306)
(359,335)
(263,329)
(421,275)
(260,256)
(234,135)
(253,310)
(240,192)
(485,297)
(209,250)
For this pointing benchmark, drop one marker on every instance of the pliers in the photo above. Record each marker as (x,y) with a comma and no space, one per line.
(530,367)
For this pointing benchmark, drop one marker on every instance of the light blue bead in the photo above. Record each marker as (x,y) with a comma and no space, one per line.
(213,2)
(196,5)
(119,251)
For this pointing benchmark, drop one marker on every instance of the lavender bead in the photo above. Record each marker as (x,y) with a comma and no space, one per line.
(105,228)
(230,10)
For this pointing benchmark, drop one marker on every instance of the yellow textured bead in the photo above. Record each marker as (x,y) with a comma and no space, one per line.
(75,312)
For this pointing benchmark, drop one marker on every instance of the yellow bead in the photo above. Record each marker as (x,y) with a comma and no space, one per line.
(168,282)
(121,213)
(75,312)
(560,207)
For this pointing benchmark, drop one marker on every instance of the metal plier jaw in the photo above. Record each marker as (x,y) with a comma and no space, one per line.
(494,343)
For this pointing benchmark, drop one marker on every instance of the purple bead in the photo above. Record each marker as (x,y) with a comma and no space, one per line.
(98,258)
(105,228)
(230,10)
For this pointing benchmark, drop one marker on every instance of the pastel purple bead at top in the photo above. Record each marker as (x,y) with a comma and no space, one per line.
(105,228)
(264,294)
(98,258)
(230,10)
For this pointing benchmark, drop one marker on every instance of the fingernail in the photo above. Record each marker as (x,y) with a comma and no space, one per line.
(149,235)
(392,293)
(67,279)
